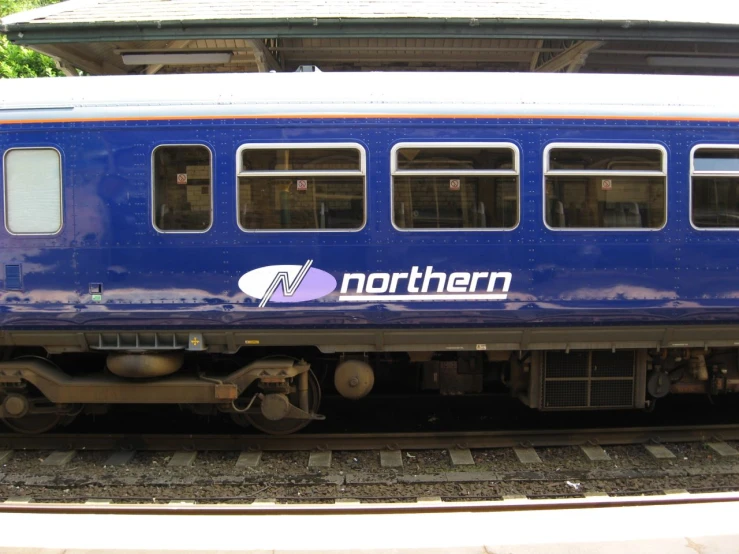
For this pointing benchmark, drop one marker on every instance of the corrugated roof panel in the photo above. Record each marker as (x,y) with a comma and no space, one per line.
(94,11)
(476,52)
(226,68)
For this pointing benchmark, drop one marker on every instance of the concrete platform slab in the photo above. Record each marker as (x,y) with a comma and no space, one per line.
(561,528)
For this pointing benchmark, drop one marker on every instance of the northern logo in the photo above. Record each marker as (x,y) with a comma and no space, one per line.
(287,283)
(295,283)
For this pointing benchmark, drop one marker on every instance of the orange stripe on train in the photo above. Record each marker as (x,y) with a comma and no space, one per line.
(370,116)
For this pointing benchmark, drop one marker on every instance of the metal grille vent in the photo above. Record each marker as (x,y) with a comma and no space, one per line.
(589,379)
(13,277)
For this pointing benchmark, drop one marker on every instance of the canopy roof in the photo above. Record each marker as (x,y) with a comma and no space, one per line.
(488,35)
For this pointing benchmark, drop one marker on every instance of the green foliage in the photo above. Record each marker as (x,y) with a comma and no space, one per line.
(18,61)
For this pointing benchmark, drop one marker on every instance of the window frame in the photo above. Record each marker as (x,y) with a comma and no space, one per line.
(514,172)
(361,172)
(694,173)
(153,194)
(547,172)
(61,191)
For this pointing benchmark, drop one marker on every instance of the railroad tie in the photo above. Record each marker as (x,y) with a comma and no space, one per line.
(320,459)
(595,453)
(514,498)
(527,455)
(723,449)
(391,458)
(59,458)
(659,452)
(120,458)
(461,457)
(248,459)
(182,459)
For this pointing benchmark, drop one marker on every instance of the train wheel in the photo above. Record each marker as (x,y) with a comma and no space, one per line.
(68,419)
(33,424)
(29,412)
(240,419)
(287,426)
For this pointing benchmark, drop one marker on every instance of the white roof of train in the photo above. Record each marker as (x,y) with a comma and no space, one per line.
(368,94)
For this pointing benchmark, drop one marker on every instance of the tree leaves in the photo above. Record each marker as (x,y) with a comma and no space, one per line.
(19,61)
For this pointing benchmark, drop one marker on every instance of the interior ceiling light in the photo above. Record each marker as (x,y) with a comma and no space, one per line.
(177,58)
(692,61)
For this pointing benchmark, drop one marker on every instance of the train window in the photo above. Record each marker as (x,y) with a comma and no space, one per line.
(455,186)
(300,159)
(301,187)
(591,186)
(182,188)
(33,191)
(714,197)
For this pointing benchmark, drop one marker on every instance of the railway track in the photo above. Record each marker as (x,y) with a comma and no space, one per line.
(396,467)
(184,482)
(423,506)
(373,441)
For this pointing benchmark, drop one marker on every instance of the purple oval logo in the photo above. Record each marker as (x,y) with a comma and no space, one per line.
(287,283)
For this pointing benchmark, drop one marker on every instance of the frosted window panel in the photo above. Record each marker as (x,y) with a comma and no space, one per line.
(33,191)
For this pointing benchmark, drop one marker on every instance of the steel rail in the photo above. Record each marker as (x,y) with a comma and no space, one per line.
(389,508)
(373,441)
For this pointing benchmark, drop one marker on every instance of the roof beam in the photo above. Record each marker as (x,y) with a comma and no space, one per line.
(78,60)
(265,60)
(309,58)
(571,59)
(535,56)
(68,69)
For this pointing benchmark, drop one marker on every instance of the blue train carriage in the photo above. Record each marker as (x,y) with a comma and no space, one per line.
(218,241)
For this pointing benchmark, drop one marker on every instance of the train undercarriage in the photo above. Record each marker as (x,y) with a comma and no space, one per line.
(275,388)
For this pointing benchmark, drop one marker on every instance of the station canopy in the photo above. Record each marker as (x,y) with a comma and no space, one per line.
(111,37)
